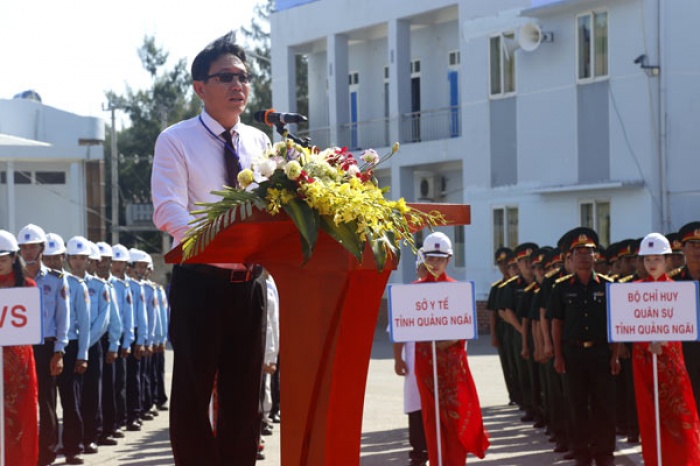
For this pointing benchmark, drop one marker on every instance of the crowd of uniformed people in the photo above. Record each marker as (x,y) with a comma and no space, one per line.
(105,330)
(550,328)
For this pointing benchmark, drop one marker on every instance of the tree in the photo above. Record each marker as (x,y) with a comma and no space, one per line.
(170,99)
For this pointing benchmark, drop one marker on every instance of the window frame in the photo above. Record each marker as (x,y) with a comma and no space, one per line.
(502,66)
(506,210)
(592,51)
(604,237)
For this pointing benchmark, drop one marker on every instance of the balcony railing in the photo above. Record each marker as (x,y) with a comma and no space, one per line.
(428,125)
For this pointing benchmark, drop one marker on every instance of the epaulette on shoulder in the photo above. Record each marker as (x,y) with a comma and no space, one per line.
(56,273)
(563,279)
(552,273)
(626,279)
(675,272)
(515,277)
(607,278)
(496,283)
(73,277)
(531,286)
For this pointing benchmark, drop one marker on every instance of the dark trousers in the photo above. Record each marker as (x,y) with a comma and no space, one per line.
(522,373)
(591,393)
(146,383)
(159,395)
(503,333)
(626,402)
(91,403)
(560,412)
(217,328)
(275,389)
(416,437)
(70,387)
(691,354)
(533,375)
(120,390)
(48,420)
(109,402)
(133,385)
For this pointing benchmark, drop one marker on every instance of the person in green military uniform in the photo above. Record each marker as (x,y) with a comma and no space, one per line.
(582,352)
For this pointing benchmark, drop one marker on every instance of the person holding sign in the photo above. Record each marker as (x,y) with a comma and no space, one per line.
(462,427)
(19,375)
(582,353)
(680,427)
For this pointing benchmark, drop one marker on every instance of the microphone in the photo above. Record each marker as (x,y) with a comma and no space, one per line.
(270,117)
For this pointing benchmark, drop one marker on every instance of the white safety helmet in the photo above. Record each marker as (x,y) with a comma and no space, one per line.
(149,259)
(120,253)
(137,255)
(31,234)
(94,252)
(78,245)
(54,245)
(8,243)
(437,244)
(105,249)
(654,243)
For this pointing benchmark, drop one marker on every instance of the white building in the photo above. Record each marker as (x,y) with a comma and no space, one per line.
(593,127)
(51,169)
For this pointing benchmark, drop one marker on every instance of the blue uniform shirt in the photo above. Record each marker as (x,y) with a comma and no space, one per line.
(126,310)
(164,312)
(79,320)
(152,313)
(99,307)
(115,320)
(140,318)
(55,303)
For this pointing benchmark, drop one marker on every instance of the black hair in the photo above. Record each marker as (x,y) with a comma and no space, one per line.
(222,46)
(18,269)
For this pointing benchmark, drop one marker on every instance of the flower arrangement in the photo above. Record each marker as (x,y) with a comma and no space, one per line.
(318,189)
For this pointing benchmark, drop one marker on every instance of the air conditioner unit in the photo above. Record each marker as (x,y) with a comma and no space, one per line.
(427,186)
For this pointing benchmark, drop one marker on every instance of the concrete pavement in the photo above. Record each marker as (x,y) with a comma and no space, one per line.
(384,431)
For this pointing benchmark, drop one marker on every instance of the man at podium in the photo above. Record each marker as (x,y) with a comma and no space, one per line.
(217,326)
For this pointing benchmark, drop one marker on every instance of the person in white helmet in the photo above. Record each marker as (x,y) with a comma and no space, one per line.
(160,397)
(79,252)
(462,427)
(680,426)
(136,362)
(21,440)
(48,355)
(120,256)
(70,382)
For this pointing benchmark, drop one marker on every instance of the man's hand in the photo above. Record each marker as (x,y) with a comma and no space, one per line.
(56,364)
(525,352)
(148,350)
(111,357)
(126,352)
(614,365)
(139,351)
(559,365)
(80,366)
(548,351)
(270,368)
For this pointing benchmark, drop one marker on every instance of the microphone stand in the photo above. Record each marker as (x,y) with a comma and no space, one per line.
(282,131)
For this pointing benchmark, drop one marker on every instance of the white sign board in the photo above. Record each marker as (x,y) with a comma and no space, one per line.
(432,311)
(20,316)
(653,311)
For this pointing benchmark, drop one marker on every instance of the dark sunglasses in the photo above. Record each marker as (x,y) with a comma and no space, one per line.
(226,77)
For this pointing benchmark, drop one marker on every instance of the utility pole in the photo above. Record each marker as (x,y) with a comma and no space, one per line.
(113,107)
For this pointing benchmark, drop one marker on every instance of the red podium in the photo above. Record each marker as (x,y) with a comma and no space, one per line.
(328,314)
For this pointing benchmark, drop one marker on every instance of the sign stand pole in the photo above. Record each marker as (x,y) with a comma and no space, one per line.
(2,406)
(656,407)
(437,406)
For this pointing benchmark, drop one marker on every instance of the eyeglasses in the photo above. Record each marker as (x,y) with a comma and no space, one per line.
(226,77)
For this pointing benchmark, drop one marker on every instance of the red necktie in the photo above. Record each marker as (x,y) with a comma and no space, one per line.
(233,163)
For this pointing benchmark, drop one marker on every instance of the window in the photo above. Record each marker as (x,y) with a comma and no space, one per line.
(453,58)
(502,64)
(505,227)
(20,177)
(415,67)
(459,246)
(592,45)
(50,177)
(354,78)
(596,215)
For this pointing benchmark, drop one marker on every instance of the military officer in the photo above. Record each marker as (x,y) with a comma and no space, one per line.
(582,353)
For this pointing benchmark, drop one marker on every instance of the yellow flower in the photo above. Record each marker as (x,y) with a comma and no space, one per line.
(293,170)
(245,177)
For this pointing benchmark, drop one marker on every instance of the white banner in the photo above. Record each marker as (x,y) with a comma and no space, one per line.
(20,316)
(653,311)
(432,311)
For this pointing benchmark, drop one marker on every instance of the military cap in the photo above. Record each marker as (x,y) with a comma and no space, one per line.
(601,254)
(525,250)
(625,248)
(540,256)
(689,232)
(582,237)
(634,246)
(502,254)
(554,256)
(612,252)
(563,243)
(674,240)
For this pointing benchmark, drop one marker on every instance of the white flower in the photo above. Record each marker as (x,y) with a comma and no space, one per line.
(353,170)
(267,167)
(370,156)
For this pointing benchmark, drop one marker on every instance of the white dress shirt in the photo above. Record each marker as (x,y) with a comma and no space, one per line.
(189,164)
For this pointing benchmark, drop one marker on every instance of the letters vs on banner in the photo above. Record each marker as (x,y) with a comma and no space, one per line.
(653,311)
(20,316)
(432,311)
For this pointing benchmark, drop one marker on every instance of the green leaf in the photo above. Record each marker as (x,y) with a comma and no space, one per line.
(306,221)
(345,234)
